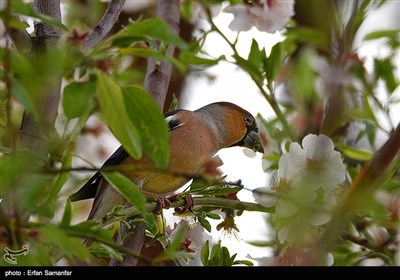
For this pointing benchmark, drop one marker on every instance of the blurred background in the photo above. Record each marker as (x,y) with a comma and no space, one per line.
(227,82)
(198,87)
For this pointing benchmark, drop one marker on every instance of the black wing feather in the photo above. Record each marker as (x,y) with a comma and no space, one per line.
(89,189)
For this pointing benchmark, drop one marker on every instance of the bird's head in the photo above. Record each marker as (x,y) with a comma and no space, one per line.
(234,125)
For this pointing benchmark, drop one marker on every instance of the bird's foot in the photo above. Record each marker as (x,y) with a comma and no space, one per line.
(162,203)
(187,206)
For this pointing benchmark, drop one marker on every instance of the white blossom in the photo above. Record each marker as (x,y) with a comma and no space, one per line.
(198,12)
(303,171)
(315,164)
(195,238)
(265,15)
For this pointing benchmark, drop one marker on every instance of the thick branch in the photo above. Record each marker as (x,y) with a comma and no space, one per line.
(157,79)
(158,73)
(360,193)
(110,17)
(46,36)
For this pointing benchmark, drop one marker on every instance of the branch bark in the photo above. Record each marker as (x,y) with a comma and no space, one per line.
(108,20)
(158,73)
(157,79)
(46,36)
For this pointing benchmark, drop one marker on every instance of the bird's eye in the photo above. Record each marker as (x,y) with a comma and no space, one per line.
(248,120)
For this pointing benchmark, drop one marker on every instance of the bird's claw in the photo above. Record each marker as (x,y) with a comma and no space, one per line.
(187,206)
(162,203)
(165,203)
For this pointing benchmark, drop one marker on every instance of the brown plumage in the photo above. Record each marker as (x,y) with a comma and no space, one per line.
(195,137)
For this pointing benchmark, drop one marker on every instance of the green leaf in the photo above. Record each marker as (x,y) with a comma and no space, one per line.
(187,9)
(226,257)
(190,58)
(360,114)
(308,35)
(393,34)
(245,262)
(219,190)
(386,71)
(151,223)
(24,97)
(274,62)
(113,108)
(22,83)
(21,8)
(262,243)
(213,216)
(146,116)
(76,98)
(247,66)
(392,185)
(128,189)
(256,56)
(61,179)
(370,132)
(114,254)
(142,52)
(216,254)
(154,28)
(174,103)
(360,155)
(15,166)
(204,223)
(66,218)
(205,252)
(71,247)
(88,229)
(13,22)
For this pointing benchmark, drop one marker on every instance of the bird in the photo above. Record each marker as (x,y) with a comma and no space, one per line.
(194,138)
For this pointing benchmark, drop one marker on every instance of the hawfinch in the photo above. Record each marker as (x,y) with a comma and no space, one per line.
(195,137)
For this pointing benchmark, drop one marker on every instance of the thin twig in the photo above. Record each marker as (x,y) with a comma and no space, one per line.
(104,26)
(198,202)
(269,97)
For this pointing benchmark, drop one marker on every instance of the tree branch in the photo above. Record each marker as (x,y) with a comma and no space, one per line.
(157,79)
(46,36)
(110,17)
(198,202)
(158,73)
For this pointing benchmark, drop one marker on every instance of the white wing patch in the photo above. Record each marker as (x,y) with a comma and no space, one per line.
(173,122)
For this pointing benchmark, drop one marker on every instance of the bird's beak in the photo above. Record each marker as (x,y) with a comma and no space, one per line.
(253,141)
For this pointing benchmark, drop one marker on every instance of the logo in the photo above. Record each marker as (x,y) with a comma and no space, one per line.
(9,256)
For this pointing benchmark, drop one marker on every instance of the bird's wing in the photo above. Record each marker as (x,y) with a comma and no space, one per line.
(89,189)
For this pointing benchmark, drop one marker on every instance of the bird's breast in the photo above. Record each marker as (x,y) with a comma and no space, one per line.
(190,149)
